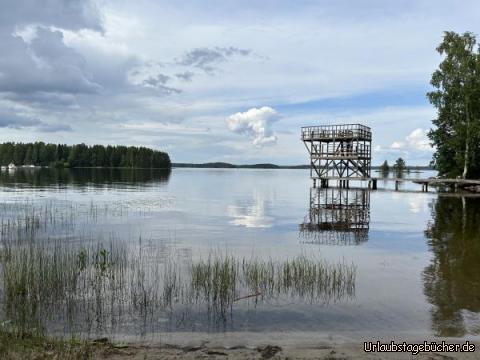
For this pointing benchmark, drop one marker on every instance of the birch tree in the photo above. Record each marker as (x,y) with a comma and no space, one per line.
(457,100)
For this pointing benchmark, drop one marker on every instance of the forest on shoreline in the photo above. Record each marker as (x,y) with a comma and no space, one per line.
(224,165)
(81,155)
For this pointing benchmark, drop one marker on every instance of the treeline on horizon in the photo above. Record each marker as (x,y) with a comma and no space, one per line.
(81,155)
(224,165)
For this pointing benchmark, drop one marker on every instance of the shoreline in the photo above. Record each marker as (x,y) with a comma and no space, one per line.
(235,345)
(325,351)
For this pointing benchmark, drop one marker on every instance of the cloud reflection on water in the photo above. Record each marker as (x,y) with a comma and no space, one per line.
(255,214)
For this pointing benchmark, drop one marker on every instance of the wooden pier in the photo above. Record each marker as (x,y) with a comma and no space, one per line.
(342,153)
(372,182)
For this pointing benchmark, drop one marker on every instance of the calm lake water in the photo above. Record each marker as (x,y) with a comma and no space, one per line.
(416,255)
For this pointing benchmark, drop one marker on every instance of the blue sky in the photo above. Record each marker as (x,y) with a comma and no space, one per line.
(223,80)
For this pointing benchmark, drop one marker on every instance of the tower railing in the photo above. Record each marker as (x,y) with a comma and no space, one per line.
(331,132)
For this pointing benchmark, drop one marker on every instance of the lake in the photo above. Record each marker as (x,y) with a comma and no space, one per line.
(366,264)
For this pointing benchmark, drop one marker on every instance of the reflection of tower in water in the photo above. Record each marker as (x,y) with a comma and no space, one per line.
(337,216)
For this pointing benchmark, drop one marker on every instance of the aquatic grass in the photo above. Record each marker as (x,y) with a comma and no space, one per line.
(300,277)
(93,285)
(41,279)
(215,282)
(23,220)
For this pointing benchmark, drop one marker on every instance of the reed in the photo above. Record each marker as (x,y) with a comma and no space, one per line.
(93,285)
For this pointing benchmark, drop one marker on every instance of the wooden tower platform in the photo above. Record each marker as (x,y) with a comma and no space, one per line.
(338,151)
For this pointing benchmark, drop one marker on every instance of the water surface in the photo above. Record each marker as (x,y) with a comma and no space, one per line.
(416,255)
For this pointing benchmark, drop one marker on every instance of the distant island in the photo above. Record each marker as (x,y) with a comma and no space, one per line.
(81,155)
(224,165)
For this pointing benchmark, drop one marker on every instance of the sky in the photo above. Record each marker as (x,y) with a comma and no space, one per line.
(223,80)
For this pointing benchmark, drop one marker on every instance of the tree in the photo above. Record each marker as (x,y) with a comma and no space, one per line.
(399,167)
(385,168)
(7,153)
(98,155)
(28,154)
(50,154)
(35,153)
(130,156)
(457,100)
(400,164)
(19,151)
(42,153)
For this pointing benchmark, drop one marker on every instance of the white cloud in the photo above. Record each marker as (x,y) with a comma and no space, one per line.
(416,140)
(256,124)
(397,145)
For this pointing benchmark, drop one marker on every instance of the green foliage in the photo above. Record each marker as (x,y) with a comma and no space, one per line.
(400,164)
(456,97)
(385,168)
(81,155)
(399,167)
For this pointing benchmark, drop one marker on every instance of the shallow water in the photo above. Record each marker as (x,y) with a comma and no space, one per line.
(417,255)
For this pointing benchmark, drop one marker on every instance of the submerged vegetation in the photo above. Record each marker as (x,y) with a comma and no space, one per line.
(51,284)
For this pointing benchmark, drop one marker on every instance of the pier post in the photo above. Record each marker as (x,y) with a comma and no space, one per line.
(374,184)
(396,185)
(314,183)
(323,183)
